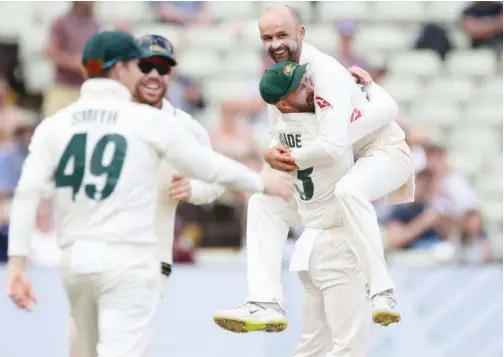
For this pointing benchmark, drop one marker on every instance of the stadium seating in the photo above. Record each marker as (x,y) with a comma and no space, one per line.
(461,97)
(458,89)
(474,63)
(330,10)
(239,10)
(403,11)
(124,10)
(416,64)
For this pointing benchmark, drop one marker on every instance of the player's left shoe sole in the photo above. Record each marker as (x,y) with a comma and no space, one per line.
(237,325)
(386,317)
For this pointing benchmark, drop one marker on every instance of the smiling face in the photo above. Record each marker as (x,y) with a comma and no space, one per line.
(281,34)
(153,84)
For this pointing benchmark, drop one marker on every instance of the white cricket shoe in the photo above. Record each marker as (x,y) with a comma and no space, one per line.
(385,308)
(251,317)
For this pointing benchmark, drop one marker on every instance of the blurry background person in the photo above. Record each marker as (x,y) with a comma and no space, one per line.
(10,114)
(185,13)
(13,155)
(473,246)
(454,195)
(69,33)
(346,54)
(416,225)
(185,93)
(482,22)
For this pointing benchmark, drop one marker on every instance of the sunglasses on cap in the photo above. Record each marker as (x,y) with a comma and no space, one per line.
(161,67)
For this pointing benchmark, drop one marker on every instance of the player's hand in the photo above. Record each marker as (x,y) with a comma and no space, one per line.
(360,75)
(276,183)
(19,287)
(180,188)
(279,158)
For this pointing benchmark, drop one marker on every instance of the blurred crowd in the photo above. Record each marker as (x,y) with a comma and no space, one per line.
(444,223)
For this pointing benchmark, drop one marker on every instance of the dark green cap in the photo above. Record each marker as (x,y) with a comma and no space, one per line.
(279,80)
(104,49)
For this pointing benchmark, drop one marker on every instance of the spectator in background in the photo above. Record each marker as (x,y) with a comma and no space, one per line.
(473,245)
(69,33)
(185,94)
(13,155)
(9,114)
(417,224)
(454,194)
(482,22)
(346,54)
(185,13)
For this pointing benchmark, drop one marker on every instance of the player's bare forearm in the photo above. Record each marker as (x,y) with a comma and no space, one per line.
(18,262)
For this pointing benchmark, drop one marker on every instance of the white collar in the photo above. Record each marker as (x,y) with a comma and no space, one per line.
(307,53)
(167,106)
(105,88)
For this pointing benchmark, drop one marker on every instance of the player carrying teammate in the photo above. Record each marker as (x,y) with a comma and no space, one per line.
(99,159)
(383,167)
(335,305)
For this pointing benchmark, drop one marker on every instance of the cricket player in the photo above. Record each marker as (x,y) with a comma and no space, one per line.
(336,309)
(174,187)
(156,68)
(383,168)
(99,159)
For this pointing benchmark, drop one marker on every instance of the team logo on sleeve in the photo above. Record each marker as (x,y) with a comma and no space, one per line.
(322,103)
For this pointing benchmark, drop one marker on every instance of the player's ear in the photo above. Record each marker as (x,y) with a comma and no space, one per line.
(302,30)
(282,106)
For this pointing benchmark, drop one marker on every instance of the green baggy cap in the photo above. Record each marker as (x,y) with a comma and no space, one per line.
(280,79)
(104,49)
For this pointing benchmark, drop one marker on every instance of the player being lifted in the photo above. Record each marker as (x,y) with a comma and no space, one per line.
(335,305)
(383,168)
(99,159)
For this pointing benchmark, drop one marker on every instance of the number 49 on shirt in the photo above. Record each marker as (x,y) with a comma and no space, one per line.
(76,152)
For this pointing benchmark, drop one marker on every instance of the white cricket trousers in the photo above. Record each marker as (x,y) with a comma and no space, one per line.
(336,308)
(269,218)
(112,313)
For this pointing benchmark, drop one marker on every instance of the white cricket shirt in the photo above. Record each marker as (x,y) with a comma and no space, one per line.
(99,158)
(201,192)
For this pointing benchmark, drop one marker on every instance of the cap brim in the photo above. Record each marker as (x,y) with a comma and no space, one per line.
(297,77)
(168,58)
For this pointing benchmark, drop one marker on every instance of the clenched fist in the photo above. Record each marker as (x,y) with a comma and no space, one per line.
(180,188)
